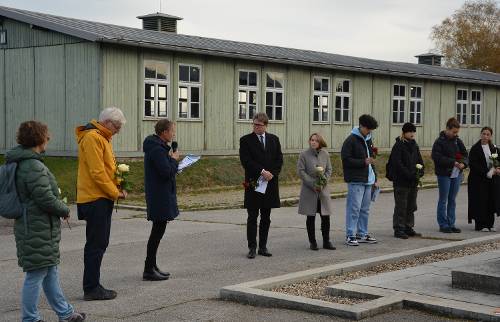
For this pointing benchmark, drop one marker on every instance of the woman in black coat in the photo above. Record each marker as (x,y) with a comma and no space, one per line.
(483,183)
(160,169)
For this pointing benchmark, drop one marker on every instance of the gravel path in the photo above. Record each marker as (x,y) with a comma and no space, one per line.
(315,288)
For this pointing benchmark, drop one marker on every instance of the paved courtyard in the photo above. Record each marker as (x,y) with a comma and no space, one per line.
(205,251)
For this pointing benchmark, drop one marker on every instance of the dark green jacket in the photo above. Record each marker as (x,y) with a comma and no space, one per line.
(37,240)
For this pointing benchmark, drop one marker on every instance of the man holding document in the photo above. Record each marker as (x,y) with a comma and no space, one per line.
(261,157)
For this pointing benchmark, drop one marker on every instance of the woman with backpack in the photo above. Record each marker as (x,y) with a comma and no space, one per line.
(405,168)
(38,231)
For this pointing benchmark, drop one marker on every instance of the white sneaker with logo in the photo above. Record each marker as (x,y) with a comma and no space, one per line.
(367,239)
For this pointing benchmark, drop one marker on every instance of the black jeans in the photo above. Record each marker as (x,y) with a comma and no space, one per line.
(265,222)
(98,216)
(405,205)
(157,232)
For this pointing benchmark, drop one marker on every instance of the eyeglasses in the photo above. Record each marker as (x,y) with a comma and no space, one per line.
(117,127)
(258,124)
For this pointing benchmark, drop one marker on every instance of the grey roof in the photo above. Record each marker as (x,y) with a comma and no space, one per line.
(102,32)
(159,14)
(429,55)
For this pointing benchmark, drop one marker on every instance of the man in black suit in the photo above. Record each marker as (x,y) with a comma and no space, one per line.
(260,155)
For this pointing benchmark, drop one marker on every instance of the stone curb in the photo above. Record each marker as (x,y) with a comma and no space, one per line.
(258,292)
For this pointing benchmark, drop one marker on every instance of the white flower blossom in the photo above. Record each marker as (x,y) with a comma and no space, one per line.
(419,166)
(494,156)
(123,167)
(320,169)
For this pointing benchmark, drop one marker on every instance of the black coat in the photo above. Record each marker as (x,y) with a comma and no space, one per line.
(405,155)
(159,180)
(484,198)
(353,156)
(254,158)
(444,151)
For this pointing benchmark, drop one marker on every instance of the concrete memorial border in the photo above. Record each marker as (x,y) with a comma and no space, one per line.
(258,293)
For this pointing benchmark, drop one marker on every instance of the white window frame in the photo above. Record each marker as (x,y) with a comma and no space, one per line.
(275,91)
(416,100)
(247,88)
(463,113)
(321,94)
(156,82)
(190,85)
(342,106)
(474,106)
(399,110)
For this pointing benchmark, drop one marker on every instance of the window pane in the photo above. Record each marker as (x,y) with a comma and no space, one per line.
(183,93)
(148,108)
(338,101)
(162,91)
(478,96)
(316,101)
(419,107)
(324,101)
(459,109)
(269,98)
(459,95)
(324,115)
(269,81)
(279,99)
(412,106)
(252,79)
(195,74)
(473,119)
(396,90)
(278,83)
(162,108)
(269,112)
(161,71)
(243,78)
(419,92)
(346,86)
(317,84)
(464,95)
(413,91)
(346,116)
(402,90)
(149,69)
(252,111)
(183,110)
(184,73)
(346,102)
(418,119)
(253,97)
(316,115)
(242,97)
(339,88)
(195,94)
(195,110)
(279,113)
(324,85)
(395,105)
(401,117)
(149,91)
(394,117)
(242,112)
(337,115)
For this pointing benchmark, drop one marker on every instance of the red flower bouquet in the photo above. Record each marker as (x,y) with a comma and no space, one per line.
(374,152)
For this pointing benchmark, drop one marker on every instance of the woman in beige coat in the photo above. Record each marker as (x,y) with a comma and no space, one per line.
(315,169)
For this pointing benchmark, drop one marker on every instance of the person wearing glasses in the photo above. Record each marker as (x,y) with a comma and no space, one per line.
(97,191)
(261,158)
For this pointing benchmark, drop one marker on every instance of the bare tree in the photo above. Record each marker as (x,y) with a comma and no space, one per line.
(470,38)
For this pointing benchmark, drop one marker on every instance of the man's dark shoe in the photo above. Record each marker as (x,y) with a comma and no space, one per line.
(167,274)
(314,246)
(99,294)
(411,233)
(153,275)
(264,252)
(400,234)
(251,253)
(455,230)
(328,245)
(446,230)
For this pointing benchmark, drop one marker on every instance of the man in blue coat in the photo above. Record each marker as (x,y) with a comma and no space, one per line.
(160,169)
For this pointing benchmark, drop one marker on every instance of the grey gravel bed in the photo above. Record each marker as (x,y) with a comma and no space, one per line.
(315,288)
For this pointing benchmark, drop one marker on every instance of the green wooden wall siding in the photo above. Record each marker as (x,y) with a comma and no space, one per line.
(21,35)
(3,109)
(381,110)
(431,127)
(298,108)
(120,88)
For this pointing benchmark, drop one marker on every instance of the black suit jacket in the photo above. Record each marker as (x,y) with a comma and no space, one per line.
(254,158)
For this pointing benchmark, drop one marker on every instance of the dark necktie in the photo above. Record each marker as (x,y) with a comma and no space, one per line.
(262,141)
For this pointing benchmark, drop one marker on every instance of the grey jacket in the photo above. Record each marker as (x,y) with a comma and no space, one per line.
(306,168)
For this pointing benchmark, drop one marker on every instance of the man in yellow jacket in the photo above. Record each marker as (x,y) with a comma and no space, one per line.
(96,193)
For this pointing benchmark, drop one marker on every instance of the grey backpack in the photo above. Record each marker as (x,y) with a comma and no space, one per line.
(10,205)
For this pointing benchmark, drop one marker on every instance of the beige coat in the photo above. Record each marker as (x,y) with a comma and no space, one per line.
(306,168)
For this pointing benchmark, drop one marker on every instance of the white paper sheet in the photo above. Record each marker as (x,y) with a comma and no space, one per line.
(455,172)
(188,161)
(261,185)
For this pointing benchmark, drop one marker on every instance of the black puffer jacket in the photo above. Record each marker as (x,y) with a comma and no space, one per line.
(405,156)
(444,154)
(353,156)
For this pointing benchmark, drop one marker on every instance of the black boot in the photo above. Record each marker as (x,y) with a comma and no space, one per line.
(325,231)
(155,267)
(151,275)
(311,233)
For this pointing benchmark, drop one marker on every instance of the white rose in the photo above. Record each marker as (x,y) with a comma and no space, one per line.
(320,169)
(59,190)
(419,166)
(494,155)
(123,168)
(65,200)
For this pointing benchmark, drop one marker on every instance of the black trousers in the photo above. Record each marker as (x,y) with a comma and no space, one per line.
(265,223)
(98,216)
(311,226)
(405,205)
(157,232)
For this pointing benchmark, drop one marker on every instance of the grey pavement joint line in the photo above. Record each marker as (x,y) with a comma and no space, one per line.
(258,292)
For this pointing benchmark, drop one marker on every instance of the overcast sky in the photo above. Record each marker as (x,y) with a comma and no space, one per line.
(381,29)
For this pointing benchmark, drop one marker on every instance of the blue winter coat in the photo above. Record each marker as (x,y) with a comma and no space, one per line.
(159,180)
